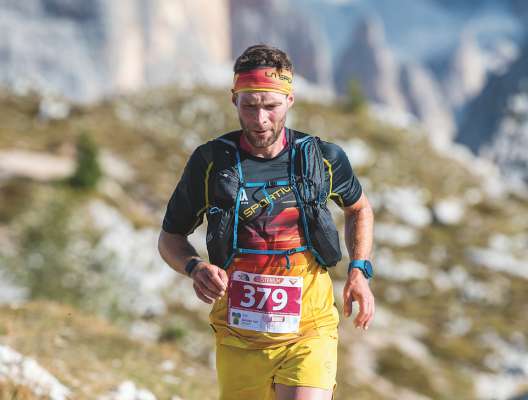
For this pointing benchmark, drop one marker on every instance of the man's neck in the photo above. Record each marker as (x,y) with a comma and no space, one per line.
(265,152)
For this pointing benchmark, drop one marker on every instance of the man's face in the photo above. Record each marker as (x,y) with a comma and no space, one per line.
(262,115)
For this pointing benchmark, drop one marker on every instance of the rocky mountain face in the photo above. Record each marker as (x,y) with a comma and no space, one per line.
(424,100)
(85,49)
(466,72)
(369,60)
(280,24)
(407,88)
(88,49)
(496,123)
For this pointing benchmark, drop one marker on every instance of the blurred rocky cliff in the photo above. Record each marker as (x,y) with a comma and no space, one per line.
(431,64)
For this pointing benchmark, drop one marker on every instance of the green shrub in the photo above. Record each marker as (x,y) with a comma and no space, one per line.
(355,100)
(172,333)
(88,171)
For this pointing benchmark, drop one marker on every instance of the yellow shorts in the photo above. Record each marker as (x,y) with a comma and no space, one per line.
(251,373)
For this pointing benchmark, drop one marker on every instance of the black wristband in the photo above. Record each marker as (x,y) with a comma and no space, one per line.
(189,267)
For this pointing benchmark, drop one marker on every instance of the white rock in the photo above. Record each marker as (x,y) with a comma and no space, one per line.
(497,260)
(399,270)
(128,391)
(27,372)
(408,204)
(394,117)
(358,152)
(115,167)
(510,363)
(142,330)
(35,165)
(134,258)
(167,365)
(53,109)
(449,211)
(395,234)
(10,293)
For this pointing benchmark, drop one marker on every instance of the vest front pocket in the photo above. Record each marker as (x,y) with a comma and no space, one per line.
(323,234)
(219,234)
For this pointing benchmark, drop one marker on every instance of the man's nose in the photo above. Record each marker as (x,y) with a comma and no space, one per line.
(261,116)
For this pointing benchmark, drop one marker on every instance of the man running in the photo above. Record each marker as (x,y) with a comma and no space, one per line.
(270,239)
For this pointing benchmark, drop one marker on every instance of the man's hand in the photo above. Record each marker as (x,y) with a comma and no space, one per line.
(357,289)
(209,282)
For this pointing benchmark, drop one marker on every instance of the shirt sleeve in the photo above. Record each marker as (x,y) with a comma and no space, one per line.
(187,204)
(345,188)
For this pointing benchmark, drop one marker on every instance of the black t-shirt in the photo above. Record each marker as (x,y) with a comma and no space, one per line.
(263,223)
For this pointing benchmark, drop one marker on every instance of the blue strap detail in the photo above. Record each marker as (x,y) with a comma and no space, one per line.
(272,252)
(268,184)
(254,184)
(235,228)
(277,183)
(287,261)
(300,140)
(268,197)
(228,261)
(213,210)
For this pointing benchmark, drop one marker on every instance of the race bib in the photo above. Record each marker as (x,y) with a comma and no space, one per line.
(265,303)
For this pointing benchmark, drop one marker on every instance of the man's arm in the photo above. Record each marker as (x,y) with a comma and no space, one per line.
(209,281)
(359,226)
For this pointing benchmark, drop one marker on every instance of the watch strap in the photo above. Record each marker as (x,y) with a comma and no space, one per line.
(191,264)
(362,265)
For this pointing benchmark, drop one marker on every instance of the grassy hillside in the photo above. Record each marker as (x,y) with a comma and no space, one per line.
(451,293)
(90,356)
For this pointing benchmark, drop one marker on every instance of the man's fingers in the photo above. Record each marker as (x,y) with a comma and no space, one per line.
(364,311)
(223,276)
(348,300)
(200,295)
(217,281)
(204,279)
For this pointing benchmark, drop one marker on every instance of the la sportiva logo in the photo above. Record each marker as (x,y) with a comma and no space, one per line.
(276,75)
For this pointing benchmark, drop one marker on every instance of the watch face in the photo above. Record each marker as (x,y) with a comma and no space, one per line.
(368,269)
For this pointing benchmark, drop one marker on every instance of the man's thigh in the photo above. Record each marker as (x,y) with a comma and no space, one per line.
(244,373)
(284,392)
(310,363)
(251,374)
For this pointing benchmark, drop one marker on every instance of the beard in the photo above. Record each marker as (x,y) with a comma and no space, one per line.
(262,142)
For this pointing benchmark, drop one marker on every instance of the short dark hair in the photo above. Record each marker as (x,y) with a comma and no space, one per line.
(262,55)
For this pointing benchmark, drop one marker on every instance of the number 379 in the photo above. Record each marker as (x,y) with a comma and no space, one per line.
(278,296)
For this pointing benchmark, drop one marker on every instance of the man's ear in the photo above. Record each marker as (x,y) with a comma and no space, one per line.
(290,99)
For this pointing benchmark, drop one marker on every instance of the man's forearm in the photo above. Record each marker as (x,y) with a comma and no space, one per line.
(359,226)
(176,250)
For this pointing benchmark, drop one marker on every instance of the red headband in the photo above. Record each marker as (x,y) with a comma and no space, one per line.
(263,80)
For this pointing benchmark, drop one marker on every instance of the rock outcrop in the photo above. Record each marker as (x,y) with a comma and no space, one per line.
(369,60)
(86,49)
(278,23)
(466,72)
(424,99)
(496,122)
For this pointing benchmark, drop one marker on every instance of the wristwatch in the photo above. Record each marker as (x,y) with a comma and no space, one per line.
(193,262)
(364,265)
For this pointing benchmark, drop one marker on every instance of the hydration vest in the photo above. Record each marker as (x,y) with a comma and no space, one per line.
(307,179)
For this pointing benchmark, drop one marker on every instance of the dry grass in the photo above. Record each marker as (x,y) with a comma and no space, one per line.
(91,357)
(12,391)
